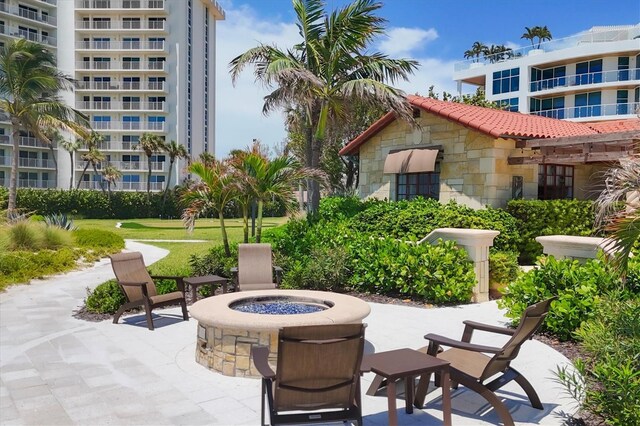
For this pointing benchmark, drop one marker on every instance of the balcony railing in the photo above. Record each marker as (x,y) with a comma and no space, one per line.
(117,145)
(124,186)
(5,140)
(590,111)
(35,37)
(120,25)
(120,45)
(128,125)
(31,183)
(586,78)
(120,4)
(28,14)
(36,163)
(124,106)
(120,85)
(588,37)
(25,141)
(5,160)
(120,65)
(141,166)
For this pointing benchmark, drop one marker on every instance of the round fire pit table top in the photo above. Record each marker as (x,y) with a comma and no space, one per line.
(216,311)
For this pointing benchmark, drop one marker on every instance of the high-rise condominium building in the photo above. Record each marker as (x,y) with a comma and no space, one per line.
(591,76)
(141,66)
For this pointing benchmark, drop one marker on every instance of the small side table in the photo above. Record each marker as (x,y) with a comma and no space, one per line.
(408,363)
(195,282)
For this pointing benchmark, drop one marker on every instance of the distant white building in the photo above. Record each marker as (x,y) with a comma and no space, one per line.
(592,76)
(141,66)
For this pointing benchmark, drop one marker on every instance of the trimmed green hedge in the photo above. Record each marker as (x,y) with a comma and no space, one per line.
(549,217)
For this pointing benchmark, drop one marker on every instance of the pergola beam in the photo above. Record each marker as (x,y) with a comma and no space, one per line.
(575,158)
(606,138)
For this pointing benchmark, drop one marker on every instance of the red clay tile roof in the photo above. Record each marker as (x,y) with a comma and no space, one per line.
(493,122)
(614,126)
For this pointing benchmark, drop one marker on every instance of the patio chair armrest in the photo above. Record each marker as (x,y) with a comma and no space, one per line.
(260,355)
(179,280)
(234,277)
(470,326)
(278,273)
(445,341)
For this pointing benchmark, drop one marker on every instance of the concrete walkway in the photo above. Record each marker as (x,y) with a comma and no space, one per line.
(55,369)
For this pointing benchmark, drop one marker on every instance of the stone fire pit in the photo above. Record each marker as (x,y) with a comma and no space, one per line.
(225,335)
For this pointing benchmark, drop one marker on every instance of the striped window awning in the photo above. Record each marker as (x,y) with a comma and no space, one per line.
(411,161)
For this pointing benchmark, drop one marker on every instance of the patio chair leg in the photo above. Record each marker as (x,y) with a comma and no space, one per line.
(185,313)
(147,311)
(377,383)
(118,314)
(421,390)
(492,399)
(531,393)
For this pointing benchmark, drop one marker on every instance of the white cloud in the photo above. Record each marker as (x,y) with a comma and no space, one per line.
(401,41)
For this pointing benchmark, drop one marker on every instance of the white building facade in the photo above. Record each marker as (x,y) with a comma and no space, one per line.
(592,76)
(141,66)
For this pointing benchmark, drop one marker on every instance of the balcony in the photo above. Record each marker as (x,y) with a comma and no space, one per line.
(145,86)
(36,163)
(120,4)
(631,75)
(124,186)
(15,32)
(121,45)
(31,183)
(5,160)
(115,145)
(25,141)
(590,111)
(5,140)
(128,125)
(121,25)
(122,106)
(42,18)
(120,65)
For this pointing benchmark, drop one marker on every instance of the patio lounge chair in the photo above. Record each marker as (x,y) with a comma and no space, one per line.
(471,367)
(139,288)
(318,373)
(255,270)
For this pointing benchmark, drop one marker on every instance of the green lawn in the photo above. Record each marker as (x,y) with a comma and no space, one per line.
(206,229)
(177,261)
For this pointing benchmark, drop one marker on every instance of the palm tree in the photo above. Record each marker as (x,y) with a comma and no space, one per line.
(175,151)
(149,144)
(217,186)
(94,156)
(206,157)
(530,34)
(277,179)
(29,86)
(111,175)
(478,48)
(327,70)
(71,146)
(541,33)
(497,53)
(618,208)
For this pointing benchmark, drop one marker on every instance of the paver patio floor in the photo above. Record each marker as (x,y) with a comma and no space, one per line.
(58,370)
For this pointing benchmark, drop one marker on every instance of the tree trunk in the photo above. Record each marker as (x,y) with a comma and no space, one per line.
(245,220)
(259,230)
(55,160)
(13,179)
(225,239)
(95,170)
(84,171)
(314,193)
(72,169)
(149,178)
(166,188)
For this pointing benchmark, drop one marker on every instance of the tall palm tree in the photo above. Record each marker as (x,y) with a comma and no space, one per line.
(541,33)
(111,174)
(618,208)
(277,179)
(94,156)
(215,189)
(175,151)
(150,144)
(29,86)
(71,146)
(478,48)
(329,68)
(206,157)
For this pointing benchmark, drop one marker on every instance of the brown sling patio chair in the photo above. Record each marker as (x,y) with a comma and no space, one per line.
(139,288)
(471,367)
(255,270)
(317,377)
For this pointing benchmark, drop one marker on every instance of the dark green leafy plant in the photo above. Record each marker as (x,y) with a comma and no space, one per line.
(106,298)
(503,268)
(60,220)
(325,269)
(215,262)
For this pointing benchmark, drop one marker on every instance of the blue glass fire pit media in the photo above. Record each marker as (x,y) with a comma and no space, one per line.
(273,306)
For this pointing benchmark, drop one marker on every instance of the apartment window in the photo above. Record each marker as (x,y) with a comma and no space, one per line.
(622,102)
(131,178)
(506,81)
(156,23)
(131,102)
(549,107)
(588,105)
(637,67)
(555,181)
(156,122)
(131,43)
(102,63)
(589,72)
(623,68)
(157,179)
(158,158)
(156,42)
(130,158)
(101,122)
(101,23)
(510,104)
(131,23)
(1,27)
(102,82)
(101,43)
(412,185)
(156,63)
(636,96)
(131,122)
(28,12)
(130,141)
(102,102)
(156,83)
(131,83)
(542,79)
(131,4)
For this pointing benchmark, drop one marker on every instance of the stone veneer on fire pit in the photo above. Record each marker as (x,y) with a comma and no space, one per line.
(225,336)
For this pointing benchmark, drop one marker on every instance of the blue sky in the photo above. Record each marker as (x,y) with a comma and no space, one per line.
(434,32)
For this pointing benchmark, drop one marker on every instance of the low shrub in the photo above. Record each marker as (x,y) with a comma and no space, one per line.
(325,269)
(98,238)
(106,298)
(25,235)
(36,218)
(60,220)
(21,266)
(579,288)
(215,262)
(56,238)
(503,269)
(549,217)
(607,382)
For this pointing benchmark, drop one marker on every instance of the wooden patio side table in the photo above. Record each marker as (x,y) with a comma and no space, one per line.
(195,282)
(408,363)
